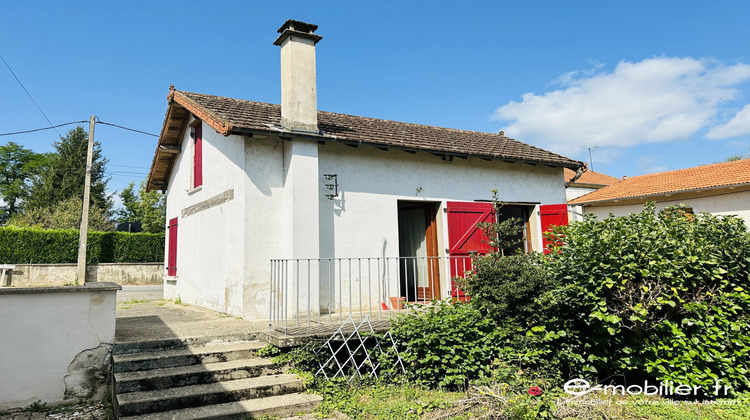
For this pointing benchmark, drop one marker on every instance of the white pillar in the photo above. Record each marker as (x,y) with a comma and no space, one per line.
(301,234)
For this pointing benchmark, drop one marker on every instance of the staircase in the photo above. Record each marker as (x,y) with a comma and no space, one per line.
(205,379)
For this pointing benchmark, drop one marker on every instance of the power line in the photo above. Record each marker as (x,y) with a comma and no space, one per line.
(128,166)
(78,122)
(129,129)
(41,129)
(30,97)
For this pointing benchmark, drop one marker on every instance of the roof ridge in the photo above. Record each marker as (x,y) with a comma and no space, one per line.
(457,130)
(254,115)
(692,168)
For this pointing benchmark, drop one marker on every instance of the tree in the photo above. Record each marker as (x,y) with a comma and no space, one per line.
(738,156)
(65,175)
(18,167)
(129,213)
(63,215)
(147,208)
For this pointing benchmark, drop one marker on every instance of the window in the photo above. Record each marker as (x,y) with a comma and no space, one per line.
(196,133)
(172,250)
(523,238)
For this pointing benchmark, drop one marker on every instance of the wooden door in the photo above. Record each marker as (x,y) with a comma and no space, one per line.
(552,215)
(419,266)
(464,237)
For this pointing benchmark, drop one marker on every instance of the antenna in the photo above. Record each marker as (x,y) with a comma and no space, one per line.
(591,161)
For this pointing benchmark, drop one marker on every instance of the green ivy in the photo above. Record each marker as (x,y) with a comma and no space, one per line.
(446,344)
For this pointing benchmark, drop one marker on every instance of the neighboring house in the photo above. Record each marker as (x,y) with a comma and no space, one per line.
(347,207)
(588,182)
(721,188)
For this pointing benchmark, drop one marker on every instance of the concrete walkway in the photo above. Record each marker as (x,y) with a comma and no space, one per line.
(130,293)
(159,320)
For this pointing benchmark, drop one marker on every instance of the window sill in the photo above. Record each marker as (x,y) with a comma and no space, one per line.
(194,190)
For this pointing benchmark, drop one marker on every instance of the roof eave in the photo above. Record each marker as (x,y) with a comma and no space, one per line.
(659,194)
(177,101)
(574,165)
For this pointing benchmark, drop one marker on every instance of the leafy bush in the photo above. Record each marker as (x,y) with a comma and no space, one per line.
(503,287)
(661,295)
(446,344)
(43,246)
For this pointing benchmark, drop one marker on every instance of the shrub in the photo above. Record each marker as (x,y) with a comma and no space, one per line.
(657,295)
(44,246)
(446,344)
(502,288)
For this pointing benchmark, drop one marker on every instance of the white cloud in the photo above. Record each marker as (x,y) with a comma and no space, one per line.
(660,99)
(737,126)
(650,164)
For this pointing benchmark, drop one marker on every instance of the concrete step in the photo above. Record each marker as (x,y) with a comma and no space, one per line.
(127,347)
(280,405)
(146,380)
(144,402)
(212,352)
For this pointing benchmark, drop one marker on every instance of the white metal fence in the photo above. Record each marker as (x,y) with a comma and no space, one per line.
(326,291)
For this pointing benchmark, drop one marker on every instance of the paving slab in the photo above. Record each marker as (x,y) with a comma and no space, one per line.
(162,320)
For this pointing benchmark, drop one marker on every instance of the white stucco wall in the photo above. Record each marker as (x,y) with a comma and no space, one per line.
(264,220)
(56,343)
(363,221)
(372,181)
(210,243)
(280,210)
(732,203)
(575,213)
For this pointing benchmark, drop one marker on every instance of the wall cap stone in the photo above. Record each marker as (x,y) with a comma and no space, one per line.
(88,287)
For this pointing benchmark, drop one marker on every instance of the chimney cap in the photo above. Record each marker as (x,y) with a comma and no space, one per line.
(298,28)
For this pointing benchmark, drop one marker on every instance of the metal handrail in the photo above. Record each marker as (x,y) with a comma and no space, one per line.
(327,291)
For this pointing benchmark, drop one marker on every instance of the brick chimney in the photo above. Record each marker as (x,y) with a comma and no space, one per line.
(299,99)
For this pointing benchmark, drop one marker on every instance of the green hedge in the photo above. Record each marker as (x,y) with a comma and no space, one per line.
(49,246)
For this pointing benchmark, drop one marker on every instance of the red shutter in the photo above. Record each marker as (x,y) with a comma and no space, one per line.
(552,215)
(464,237)
(172,252)
(198,156)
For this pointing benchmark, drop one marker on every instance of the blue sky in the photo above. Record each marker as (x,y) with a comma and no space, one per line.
(656,85)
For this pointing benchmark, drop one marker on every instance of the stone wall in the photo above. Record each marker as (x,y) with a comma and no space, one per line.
(26,275)
(57,343)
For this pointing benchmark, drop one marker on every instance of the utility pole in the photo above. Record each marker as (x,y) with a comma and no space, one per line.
(84,231)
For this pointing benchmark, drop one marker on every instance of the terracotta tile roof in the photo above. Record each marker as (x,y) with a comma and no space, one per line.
(244,116)
(590,178)
(718,175)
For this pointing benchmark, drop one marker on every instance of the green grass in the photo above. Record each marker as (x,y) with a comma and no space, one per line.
(371,400)
(377,400)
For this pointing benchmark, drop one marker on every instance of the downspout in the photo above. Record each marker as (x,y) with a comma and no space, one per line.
(581,170)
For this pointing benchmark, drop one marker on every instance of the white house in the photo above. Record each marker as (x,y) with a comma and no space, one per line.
(587,182)
(354,212)
(720,189)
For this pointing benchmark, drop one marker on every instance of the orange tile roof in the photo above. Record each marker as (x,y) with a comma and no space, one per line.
(590,178)
(704,177)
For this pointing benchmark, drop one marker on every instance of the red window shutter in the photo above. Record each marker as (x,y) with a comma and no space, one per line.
(172,251)
(198,156)
(552,215)
(464,237)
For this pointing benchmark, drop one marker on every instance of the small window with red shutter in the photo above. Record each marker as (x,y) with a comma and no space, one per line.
(172,247)
(196,133)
